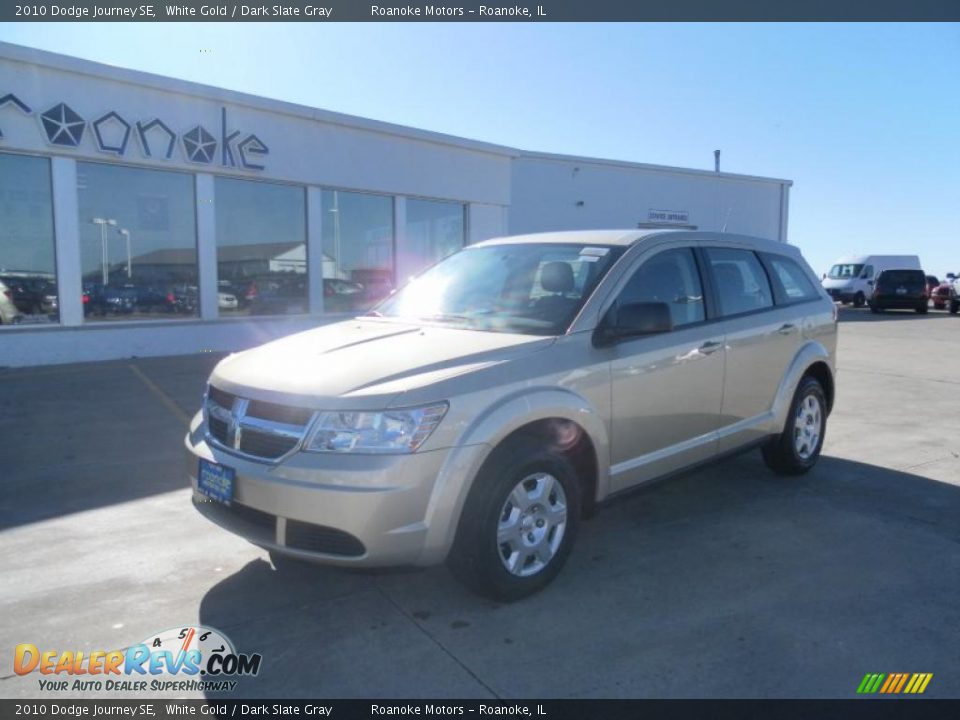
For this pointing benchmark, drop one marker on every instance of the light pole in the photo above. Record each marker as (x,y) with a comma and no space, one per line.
(126,235)
(104,254)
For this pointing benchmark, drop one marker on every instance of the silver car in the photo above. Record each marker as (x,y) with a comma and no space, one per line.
(480,412)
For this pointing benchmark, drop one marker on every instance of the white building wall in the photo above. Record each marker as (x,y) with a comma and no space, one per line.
(564,193)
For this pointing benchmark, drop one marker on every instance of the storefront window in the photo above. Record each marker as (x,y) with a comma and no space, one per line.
(261,248)
(434,230)
(138,243)
(28,280)
(357,250)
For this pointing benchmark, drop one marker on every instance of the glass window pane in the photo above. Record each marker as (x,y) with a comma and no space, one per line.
(795,282)
(28,280)
(357,250)
(741,281)
(261,248)
(138,243)
(669,277)
(434,231)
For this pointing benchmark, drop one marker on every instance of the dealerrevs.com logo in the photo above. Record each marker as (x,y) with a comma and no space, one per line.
(182,659)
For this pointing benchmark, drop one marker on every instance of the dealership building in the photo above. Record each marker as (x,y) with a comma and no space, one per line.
(142,215)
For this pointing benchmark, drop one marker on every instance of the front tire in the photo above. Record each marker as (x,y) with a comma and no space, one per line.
(797,448)
(519,522)
(954,307)
(859,300)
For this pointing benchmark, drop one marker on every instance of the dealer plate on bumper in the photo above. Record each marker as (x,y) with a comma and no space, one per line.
(216,481)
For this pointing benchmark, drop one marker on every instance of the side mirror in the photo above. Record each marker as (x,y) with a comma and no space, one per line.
(634,320)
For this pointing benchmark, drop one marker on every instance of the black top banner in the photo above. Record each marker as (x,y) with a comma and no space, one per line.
(539,11)
(446,709)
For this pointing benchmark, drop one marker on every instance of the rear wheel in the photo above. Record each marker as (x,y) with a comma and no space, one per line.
(954,307)
(519,522)
(859,300)
(874,308)
(923,309)
(797,448)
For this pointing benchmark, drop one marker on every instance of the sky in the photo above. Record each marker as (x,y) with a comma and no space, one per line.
(864,118)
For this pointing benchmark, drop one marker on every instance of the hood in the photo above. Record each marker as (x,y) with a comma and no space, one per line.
(364,362)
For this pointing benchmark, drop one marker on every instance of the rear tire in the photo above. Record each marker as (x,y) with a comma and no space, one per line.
(923,309)
(797,448)
(954,307)
(519,522)
(859,300)
(876,309)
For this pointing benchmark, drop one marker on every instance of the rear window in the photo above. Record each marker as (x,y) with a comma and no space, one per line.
(903,276)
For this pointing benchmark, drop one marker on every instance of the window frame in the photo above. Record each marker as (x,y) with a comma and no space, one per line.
(705,288)
(704,250)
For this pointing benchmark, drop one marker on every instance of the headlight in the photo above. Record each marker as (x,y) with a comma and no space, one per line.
(390,431)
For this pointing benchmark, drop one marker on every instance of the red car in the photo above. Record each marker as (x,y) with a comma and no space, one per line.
(940,295)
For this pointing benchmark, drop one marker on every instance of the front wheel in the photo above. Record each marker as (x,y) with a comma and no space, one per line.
(519,522)
(954,307)
(797,448)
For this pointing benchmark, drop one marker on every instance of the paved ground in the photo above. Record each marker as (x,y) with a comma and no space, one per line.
(724,582)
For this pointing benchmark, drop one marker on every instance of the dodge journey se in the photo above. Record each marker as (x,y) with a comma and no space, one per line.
(476,415)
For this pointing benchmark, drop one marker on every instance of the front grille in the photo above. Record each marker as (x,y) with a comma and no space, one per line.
(267,430)
(218,428)
(321,539)
(265,445)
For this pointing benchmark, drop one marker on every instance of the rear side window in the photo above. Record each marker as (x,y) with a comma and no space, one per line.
(740,280)
(796,284)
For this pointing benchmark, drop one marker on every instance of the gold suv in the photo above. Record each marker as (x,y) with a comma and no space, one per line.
(477,414)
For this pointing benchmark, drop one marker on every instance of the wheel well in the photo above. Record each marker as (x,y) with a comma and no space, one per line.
(821,373)
(572,441)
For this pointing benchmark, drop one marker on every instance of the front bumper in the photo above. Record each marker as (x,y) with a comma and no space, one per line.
(359,510)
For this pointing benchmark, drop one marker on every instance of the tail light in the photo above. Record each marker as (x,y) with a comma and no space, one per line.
(170,298)
(86,298)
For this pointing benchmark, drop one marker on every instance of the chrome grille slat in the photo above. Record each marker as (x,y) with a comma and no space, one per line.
(254,429)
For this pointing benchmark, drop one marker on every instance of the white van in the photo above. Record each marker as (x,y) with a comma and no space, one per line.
(851,277)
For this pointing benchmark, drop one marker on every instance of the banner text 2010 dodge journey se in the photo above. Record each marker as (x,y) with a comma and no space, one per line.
(478,413)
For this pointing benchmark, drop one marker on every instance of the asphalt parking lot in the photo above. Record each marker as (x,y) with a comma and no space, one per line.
(726,582)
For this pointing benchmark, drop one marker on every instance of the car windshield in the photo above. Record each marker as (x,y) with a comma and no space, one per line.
(530,288)
(848,270)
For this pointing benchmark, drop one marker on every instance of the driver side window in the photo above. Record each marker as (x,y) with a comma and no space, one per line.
(867,273)
(669,277)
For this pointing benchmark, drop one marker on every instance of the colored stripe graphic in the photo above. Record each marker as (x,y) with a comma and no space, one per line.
(894,683)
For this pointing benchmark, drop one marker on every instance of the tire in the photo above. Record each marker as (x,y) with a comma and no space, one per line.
(507,503)
(923,309)
(859,300)
(796,450)
(954,307)
(876,309)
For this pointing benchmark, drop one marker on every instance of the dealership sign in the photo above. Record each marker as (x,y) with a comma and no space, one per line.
(669,217)
(111,133)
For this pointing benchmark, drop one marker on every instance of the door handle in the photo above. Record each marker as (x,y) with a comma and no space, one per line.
(710,347)
(787,328)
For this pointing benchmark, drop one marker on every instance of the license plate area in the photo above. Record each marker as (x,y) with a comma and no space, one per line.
(216,481)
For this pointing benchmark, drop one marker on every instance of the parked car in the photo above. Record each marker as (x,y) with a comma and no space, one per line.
(940,296)
(477,414)
(932,284)
(9,314)
(31,294)
(953,294)
(279,296)
(341,295)
(900,289)
(226,300)
(851,277)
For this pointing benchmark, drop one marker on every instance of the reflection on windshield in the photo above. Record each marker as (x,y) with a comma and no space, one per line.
(534,288)
(839,272)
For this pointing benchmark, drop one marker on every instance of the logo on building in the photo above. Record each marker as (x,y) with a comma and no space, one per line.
(64,127)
